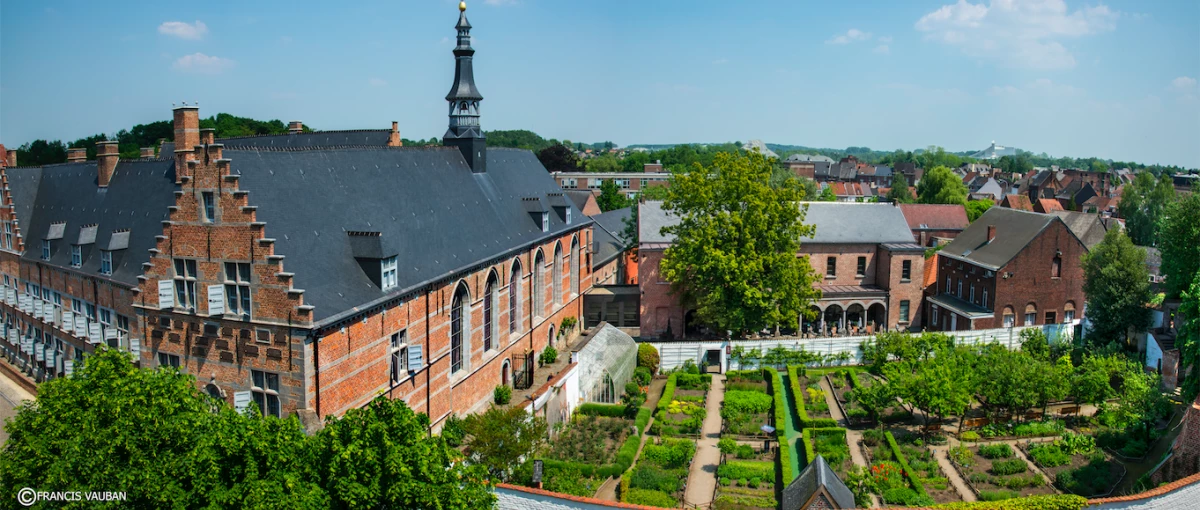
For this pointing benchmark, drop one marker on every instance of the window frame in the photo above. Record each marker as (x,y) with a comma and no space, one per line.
(906,271)
(237,289)
(905,309)
(166,359)
(46,248)
(860,268)
(398,368)
(514,298)
(106,262)
(76,256)
(185,282)
(263,395)
(208,204)
(831,266)
(459,329)
(387,273)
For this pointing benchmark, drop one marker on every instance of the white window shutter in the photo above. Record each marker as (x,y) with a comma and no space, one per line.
(80,325)
(38,352)
(166,294)
(37,308)
(110,333)
(68,321)
(415,358)
(93,330)
(216,299)
(242,400)
(135,347)
(69,367)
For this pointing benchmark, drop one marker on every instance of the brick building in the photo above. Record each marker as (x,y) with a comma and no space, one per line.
(869,270)
(304,273)
(1009,268)
(933,222)
(630,184)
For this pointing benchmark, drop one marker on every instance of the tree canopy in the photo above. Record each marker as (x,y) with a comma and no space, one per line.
(1179,242)
(734,257)
(1142,205)
(940,185)
(610,198)
(559,158)
(899,192)
(151,434)
(976,208)
(1189,339)
(1117,286)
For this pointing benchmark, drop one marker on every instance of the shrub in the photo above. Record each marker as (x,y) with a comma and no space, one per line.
(855,413)
(652,477)
(969,435)
(1049,455)
(1042,502)
(908,471)
(1094,478)
(727,446)
(962,456)
(502,394)
(1135,448)
(548,356)
(672,453)
(997,495)
(753,483)
(595,409)
(906,497)
(1075,444)
(453,431)
(647,356)
(995,451)
(872,437)
(724,481)
(743,500)
(1009,467)
(651,498)
(745,402)
(642,375)
(746,451)
(746,469)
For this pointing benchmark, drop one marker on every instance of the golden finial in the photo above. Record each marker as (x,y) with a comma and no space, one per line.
(462,6)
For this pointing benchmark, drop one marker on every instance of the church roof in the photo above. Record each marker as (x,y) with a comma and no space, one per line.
(816,475)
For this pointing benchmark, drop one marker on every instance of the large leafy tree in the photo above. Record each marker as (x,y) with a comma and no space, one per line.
(899,192)
(942,385)
(1142,205)
(559,158)
(603,163)
(1189,338)
(976,208)
(1117,286)
(941,186)
(500,439)
(154,436)
(610,198)
(1179,240)
(1006,380)
(736,244)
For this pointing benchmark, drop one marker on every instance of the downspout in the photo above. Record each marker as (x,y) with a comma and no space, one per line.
(428,366)
(316,368)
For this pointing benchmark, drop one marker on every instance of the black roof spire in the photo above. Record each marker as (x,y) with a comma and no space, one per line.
(464,131)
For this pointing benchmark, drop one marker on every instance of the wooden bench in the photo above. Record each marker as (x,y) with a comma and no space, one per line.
(971,423)
(1066,411)
(931,428)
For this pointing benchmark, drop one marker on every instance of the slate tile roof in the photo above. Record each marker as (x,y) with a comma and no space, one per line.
(1015,229)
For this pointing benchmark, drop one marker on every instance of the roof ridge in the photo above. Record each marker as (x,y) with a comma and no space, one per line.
(306,148)
(308,133)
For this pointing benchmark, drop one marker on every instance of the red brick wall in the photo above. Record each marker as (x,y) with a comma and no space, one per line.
(847,262)
(889,275)
(1185,452)
(659,307)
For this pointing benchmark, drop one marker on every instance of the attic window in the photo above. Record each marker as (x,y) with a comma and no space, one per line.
(388,268)
(568,215)
(545,221)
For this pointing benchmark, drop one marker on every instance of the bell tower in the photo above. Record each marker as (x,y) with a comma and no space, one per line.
(464,131)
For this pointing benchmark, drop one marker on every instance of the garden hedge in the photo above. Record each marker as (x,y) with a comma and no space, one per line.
(908,471)
(625,454)
(785,450)
(643,419)
(1043,502)
(810,448)
(595,409)
(668,393)
(801,413)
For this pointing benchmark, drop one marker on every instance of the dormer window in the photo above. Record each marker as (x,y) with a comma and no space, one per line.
(545,221)
(388,268)
(105,262)
(568,215)
(76,255)
(45,249)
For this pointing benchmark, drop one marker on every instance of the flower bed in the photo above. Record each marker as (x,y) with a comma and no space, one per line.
(924,468)
(1076,465)
(681,410)
(829,443)
(660,476)
(797,382)
(891,477)
(588,451)
(995,472)
(745,484)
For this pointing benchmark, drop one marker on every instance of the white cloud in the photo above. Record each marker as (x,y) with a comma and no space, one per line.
(1183,82)
(882,49)
(202,64)
(887,39)
(376,82)
(720,61)
(852,35)
(183,30)
(1016,33)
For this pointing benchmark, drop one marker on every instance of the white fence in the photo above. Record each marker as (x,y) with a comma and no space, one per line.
(674,354)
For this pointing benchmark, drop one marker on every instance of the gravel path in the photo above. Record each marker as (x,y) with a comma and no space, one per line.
(960,485)
(702,479)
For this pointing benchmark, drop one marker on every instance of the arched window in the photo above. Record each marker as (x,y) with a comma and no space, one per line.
(1009,317)
(514,297)
(490,296)
(459,328)
(573,266)
(608,392)
(1069,312)
(1030,314)
(539,291)
(556,275)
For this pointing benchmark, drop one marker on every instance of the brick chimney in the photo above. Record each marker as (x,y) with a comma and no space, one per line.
(295,127)
(10,157)
(147,153)
(75,155)
(106,162)
(208,136)
(991,233)
(394,137)
(187,137)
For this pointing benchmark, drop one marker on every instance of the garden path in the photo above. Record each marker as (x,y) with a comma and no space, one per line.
(608,490)
(702,479)
(791,428)
(959,484)
(852,436)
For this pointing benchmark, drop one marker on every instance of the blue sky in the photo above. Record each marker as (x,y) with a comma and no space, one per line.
(1116,79)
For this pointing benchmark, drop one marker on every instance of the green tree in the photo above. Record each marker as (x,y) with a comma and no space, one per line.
(976,208)
(501,438)
(610,197)
(559,158)
(1189,339)
(827,194)
(603,163)
(1179,240)
(899,192)
(942,385)
(1117,286)
(1034,342)
(734,256)
(1142,205)
(941,186)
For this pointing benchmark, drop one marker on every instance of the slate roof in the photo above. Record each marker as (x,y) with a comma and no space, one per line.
(1015,229)
(609,239)
(823,169)
(136,199)
(991,187)
(1087,227)
(816,475)
(353,137)
(430,210)
(651,219)
(935,216)
(836,222)
(579,197)
(808,157)
(883,171)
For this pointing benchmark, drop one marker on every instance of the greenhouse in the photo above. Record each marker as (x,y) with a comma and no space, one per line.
(606,363)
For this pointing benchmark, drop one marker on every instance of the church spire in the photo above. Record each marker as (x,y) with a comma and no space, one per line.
(464,131)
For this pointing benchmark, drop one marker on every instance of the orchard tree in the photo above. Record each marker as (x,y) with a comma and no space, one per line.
(500,439)
(941,186)
(1117,286)
(734,256)
(1179,240)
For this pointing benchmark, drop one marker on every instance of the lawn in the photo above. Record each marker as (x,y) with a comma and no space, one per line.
(660,476)
(996,473)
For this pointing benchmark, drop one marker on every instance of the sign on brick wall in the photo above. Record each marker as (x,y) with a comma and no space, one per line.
(166,294)
(216,300)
